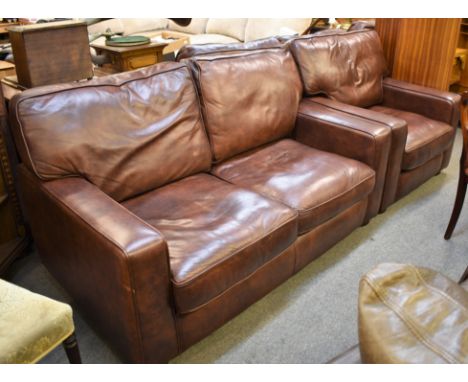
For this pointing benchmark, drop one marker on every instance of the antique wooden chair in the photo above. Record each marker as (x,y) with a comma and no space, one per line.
(463,177)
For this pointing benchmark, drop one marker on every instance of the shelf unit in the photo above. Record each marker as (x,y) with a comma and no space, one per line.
(459,81)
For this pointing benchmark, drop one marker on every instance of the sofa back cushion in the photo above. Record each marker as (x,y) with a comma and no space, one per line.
(347,67)
(248,99)
(132,26)
(196,26)
(261,28)
(188,51)
(127,134)
(229,27)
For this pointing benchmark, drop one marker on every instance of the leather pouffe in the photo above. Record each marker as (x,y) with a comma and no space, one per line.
(412,315)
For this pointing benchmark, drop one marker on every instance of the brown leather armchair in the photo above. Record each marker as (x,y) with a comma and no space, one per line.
(350,70)
(165,211)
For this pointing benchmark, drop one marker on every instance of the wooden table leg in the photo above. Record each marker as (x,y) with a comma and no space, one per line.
(71,348)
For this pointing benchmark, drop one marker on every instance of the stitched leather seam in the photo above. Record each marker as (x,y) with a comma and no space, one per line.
(186,283)
(410,324)
(362,132)
(429,142)
(235,51)
(421,93)
(240,54)
(418,92)
(240,281)
(307,210)
(438,291)
(367,118)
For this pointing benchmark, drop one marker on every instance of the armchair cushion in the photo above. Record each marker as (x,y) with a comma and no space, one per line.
(317,184)
(217,234)
(347,67)
(127,134)
(242,107)
(426,139)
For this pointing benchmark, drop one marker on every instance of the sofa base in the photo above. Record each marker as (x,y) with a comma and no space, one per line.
(196,325)
(410,180)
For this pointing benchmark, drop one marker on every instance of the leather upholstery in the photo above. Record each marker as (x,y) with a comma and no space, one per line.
(412,315)
(196,325)
(242,107)
(116,173)
(330,126)
(426,139)
(338,117)
(316,242)
(431,103)
(188,51)
(411,179)
(113,264)
(217,234)
(346,67)
(317,184)
(121,133)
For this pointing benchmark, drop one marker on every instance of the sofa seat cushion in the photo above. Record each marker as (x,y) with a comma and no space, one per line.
(210,38)
(426,139)
(217,234)
(317,184)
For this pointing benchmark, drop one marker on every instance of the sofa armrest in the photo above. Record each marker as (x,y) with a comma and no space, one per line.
(399,132)
(432,103)
(320,124)
(111,262)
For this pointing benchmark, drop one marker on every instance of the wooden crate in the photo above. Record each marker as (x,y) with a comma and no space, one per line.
(51,53)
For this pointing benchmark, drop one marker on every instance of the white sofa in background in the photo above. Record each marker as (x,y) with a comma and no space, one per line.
(208,30)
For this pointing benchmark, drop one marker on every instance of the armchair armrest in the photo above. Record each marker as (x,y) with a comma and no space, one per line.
(111,262)
(320,124)
(432,103)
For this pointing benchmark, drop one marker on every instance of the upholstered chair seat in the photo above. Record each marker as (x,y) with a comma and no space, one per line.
(31,325)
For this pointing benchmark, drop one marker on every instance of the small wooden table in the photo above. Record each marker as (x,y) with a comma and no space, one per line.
(132,57)
(6,69)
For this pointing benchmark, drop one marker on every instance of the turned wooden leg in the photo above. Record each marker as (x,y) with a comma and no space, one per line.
(459,199)
(71,348)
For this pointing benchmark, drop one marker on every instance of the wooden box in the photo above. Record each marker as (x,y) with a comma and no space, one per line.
(51,53)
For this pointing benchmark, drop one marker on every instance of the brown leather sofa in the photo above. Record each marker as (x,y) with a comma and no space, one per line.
(167,200)
(422,120)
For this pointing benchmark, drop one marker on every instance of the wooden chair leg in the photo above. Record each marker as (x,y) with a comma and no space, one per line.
(71,348)
(464,276)
(457,207)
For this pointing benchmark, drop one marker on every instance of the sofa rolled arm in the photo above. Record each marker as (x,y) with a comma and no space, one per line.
(432,103)
(320,124)
(113,264)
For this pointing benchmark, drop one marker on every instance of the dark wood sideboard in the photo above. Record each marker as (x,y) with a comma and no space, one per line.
(13,234)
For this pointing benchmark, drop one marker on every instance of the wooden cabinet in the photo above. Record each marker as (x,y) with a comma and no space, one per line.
(420,51)
(13,237)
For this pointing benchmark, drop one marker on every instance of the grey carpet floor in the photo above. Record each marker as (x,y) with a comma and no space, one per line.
(313,316)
